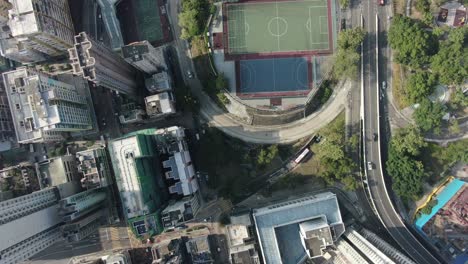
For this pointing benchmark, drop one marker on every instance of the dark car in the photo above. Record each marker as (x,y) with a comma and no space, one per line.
(375,136)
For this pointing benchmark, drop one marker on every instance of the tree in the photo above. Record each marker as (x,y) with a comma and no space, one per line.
(408,141)
(344,3)
(413,45)
(351,39)
(459,99)
(429,115)
(346,64)
(350,183)
(450,62)
(407,174)
(223,98)
(189,24)
(427,209)
(418,86)
(423,6)
(221,82)
(267,155)
(454,127)
(347,57)
(193,17)
(458,35)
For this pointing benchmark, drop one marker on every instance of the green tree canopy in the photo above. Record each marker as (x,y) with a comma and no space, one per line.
(450,62)
(407,174)
(459,99)
(193,17)
(221,82)
(418,86)
(344,3)
(346,64)
(347,56)
(267,155)
(351,39)
(408,141)
(428,115)
(413,45)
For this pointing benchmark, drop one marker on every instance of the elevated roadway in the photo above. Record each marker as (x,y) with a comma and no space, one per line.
(375,70)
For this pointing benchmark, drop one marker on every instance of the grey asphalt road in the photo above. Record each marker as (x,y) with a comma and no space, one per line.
(379,193)
(255,134)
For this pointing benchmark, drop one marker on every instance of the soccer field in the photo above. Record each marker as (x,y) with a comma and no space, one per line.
(278,27)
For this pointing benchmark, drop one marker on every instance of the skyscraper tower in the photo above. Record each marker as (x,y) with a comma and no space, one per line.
(99,64)
(36,29)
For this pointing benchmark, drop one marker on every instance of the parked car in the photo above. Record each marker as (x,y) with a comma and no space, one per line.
(381,2)
(190,74)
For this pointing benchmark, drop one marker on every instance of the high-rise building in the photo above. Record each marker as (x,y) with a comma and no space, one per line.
(95,167)
(80,229)
(159,82)
(80,204)
(295,230)
(160,105)
(42,107)
(143,56)
(179,166)
(28,224)
(58,170)
(97,63)
(139,179)
(37,27)
(7,130)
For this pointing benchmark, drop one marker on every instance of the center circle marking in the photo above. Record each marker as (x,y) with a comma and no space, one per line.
(277,26)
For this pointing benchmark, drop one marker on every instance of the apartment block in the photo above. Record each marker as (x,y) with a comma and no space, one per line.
(178,167)
(28,225)
(95,168)
(98,64)
(140,183)
(160,105)
(80,204)
(37,27)
(42,107)
(178,212)
(143,56)
(159,82)
(58,170)
(7,130)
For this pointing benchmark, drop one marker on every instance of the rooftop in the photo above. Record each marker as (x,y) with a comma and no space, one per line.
(135,51)
(157,104)
(136,164)
(278,225)
(159,82)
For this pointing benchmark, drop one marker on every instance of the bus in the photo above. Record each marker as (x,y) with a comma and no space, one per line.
(302,155)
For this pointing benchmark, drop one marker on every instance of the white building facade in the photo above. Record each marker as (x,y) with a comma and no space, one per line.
(160,105)
(36,30)
(42,108)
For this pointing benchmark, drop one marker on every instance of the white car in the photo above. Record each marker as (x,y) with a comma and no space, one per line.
(370,166)
(190,74)
(384,85)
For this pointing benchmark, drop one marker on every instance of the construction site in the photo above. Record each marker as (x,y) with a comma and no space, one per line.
(447,227)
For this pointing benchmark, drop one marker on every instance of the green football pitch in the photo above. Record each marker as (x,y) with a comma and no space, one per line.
(281,26)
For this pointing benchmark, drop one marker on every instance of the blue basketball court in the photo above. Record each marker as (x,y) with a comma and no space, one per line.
(274,77)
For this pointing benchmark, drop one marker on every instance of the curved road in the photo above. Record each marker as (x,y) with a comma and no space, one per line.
(230,125)
(371,78)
